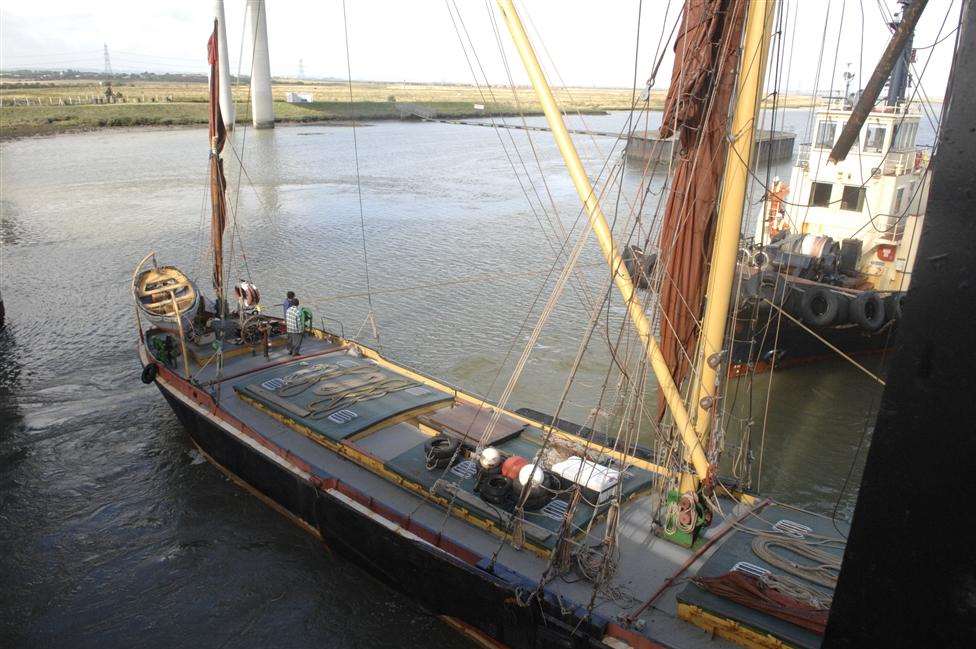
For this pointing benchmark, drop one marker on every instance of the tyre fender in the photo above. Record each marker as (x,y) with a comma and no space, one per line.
(495,489)
(822,307)
(894,304)
(439,450)
(868,310)
(539,497)
(149,373)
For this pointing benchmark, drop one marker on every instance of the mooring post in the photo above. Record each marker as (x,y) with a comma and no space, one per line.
(909,573)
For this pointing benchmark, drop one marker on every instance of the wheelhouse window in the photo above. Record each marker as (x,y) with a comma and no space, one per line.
(852,199)
(820,194)
(826,131)
(903,136)
(874,137)
(899,197)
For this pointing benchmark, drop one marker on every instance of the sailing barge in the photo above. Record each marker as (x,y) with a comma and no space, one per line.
(520,531)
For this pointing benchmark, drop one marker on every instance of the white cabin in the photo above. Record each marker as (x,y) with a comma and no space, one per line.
(878,194)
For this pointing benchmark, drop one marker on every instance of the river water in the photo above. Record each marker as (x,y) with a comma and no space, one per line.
(114,532)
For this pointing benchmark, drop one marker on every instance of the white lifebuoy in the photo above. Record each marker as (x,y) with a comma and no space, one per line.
(247,293)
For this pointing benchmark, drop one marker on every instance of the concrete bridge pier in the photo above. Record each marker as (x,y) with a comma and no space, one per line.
(262,108)
(225,82)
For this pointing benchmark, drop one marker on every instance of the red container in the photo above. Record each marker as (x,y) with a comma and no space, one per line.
(512,466)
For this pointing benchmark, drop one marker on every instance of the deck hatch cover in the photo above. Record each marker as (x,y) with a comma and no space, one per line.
(337,398)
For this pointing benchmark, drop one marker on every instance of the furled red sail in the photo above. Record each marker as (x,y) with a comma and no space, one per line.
(696,112)
(218,183)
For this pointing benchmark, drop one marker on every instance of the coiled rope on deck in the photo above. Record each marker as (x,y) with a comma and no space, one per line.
(823,570)
(343,398)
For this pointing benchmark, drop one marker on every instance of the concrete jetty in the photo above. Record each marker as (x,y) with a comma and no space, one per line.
(771,146)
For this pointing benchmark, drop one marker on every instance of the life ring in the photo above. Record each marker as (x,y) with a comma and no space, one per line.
(868,310)
(822,307)
(149,373)
(894,304)
(439,450)
(495,489)
(247,293)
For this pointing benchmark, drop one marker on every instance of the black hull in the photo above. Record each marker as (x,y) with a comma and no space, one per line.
(442,584)
(792,345)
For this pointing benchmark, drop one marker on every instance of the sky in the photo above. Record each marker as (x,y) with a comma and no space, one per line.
(581,43)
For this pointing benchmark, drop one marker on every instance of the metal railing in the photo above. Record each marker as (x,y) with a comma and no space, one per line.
(342,329)
(803,156)
(897,163)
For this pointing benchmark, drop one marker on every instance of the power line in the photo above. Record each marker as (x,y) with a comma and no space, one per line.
(108,61)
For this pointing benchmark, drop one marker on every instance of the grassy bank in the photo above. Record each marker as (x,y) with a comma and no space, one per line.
(156,92)
(23,121)
(46,108)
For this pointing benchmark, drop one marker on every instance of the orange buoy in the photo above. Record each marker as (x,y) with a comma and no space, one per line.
(512,466)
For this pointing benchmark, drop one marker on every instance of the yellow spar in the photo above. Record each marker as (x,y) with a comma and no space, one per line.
(604,237)
(729,225)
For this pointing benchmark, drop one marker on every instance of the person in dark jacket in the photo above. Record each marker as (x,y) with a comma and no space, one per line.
(289,298)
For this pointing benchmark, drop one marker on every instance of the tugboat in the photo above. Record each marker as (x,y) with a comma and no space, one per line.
(833,250)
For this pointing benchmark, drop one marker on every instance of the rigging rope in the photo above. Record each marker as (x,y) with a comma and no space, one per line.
(370,315)
(555,224)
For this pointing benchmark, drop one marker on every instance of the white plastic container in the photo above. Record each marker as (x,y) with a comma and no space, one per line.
(590,475)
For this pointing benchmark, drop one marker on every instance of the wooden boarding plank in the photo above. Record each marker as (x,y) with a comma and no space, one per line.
(467,422)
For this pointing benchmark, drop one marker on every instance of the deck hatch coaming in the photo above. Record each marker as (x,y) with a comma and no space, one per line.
(342,396)
(458,486)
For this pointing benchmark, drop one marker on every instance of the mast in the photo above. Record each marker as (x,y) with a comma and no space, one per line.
(898,84)
(621,278)
(759,17)
(892,54)
(218,183)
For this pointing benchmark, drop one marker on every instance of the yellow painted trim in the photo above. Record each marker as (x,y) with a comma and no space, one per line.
(409,415)
(729,629)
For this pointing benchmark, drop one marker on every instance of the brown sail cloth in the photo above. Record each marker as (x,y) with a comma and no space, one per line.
(218,199)
(696,112)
